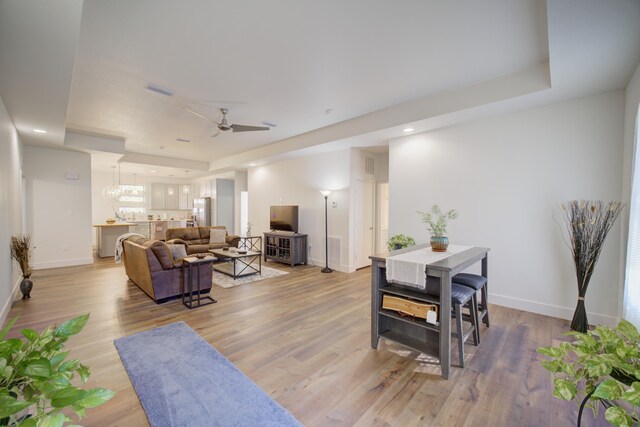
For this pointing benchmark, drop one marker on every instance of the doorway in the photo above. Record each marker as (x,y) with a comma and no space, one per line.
(364,222)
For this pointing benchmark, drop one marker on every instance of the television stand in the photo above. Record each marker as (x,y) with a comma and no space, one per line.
(286,248)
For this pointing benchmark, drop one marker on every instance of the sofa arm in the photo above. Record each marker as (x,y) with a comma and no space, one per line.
(233,240)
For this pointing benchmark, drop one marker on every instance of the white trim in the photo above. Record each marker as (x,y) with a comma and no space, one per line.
(548,309)
(62,263)
(341,268)
(7,306)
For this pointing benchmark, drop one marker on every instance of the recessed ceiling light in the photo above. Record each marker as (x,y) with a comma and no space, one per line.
(252,164)
(408,129)
(152,171)
(40,131)
(183,140)
(159,89)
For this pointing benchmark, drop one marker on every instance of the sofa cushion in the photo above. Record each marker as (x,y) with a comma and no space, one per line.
(217,236)
(178,251)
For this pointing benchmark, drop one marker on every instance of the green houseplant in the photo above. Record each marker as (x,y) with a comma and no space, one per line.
(436,222)
(601,365)
(36,380)
(400,241)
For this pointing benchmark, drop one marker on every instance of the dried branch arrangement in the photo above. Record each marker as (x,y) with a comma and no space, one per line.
(588,223)
(20,251)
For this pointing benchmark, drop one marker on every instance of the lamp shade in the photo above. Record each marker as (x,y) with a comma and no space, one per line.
(325,193)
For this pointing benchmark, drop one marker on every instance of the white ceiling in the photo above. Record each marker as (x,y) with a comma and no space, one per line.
(375,64)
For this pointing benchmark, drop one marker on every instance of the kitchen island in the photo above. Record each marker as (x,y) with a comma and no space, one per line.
(106,236)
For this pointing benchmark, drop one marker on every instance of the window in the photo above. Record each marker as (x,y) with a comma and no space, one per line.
(632,276)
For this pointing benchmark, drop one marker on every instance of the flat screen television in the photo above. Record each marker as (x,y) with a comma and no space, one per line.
(284,218)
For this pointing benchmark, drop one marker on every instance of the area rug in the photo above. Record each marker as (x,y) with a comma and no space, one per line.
(225,281)
(181,380)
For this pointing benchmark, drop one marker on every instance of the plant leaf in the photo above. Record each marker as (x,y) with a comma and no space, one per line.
(29,422)
(66,397)
(84,372)
(564,389)
(55,420)
(95,397)
(58,359)
(9,405)
(5,331)
(554,352)
(618,417)
(552,365)
(596,367)
(39,368)
(72,326)
(30,334)
(628,330)
(609,389)
(632,395)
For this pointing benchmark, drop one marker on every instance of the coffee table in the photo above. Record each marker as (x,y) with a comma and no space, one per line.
(237,264)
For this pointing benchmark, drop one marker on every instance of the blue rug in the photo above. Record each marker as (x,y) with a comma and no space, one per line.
(181,380)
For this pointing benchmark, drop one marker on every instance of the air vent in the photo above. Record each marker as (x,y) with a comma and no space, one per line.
(159,89)
(369,165)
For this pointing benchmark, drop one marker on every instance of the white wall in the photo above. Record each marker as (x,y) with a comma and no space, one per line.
(506,176)
(298,182)
(10,208)
(239,185)
(58,209)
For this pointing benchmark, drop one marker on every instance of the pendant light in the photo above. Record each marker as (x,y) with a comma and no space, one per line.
(185,188)
(112,192)
(135,189)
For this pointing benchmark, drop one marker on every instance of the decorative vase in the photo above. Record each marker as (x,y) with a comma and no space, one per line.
(439,244)
(397,246)
(25,287)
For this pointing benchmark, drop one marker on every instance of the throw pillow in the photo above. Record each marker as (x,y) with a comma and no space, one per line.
(178,251)
(217,236)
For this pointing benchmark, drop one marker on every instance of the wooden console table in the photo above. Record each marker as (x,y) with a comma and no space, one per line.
(421,336)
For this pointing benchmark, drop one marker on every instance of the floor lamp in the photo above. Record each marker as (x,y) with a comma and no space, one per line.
(326,268)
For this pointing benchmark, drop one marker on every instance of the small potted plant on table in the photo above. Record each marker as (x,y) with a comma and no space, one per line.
(400,241)
(436,221)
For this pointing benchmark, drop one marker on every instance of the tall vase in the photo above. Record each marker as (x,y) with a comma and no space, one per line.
(25,287)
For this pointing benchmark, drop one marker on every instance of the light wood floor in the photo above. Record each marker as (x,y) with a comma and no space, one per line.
(304,338)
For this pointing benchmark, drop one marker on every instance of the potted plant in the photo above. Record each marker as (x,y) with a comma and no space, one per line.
(20,251)
(36,381)
(400,241)
(436,221)
(601,366)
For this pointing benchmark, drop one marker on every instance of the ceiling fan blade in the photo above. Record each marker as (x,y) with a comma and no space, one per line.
(195,113)
(213,135)
(245,128)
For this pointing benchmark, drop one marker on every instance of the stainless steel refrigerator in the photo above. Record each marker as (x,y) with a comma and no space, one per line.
(203,211)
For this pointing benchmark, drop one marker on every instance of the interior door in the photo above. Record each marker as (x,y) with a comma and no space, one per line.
(364,222)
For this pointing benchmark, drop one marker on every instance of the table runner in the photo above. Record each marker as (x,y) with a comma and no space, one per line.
(410,268)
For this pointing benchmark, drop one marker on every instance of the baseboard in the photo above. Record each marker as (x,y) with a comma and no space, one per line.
(549,309)
(62,263)
(7,306)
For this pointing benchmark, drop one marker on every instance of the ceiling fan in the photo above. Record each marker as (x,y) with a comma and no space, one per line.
(224,126)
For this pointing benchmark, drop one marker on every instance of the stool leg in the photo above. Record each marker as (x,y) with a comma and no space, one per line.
(458,314)
(475,320)
(485,304)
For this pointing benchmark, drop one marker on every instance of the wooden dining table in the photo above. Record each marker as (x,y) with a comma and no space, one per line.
(434,340)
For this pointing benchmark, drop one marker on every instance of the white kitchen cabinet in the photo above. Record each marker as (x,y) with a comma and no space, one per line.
(171,196)
(158,196)
(186,197)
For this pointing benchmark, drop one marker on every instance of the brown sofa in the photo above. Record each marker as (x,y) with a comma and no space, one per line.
(150,265)
(196,239)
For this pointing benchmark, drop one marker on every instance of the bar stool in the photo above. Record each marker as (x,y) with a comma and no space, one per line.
(462,296)
(478,283)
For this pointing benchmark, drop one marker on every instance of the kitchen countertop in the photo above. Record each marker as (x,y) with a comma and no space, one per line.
(115,224)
